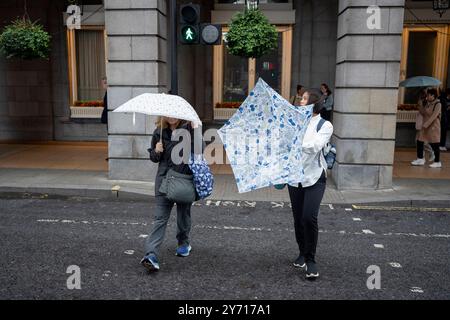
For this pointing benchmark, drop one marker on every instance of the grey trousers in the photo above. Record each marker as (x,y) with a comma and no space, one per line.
(162,214)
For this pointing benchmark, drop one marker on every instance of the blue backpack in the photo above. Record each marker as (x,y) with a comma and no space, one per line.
(329,151)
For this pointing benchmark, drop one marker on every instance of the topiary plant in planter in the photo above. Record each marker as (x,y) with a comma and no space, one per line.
(24,39)
(251,35)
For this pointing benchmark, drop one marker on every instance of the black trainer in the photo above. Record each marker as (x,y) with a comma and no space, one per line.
(300,262)
(311,271)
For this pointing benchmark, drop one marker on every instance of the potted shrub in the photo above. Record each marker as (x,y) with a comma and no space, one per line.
(24,39)
(251,35)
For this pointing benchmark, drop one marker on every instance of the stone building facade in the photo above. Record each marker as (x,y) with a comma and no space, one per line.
(320,42)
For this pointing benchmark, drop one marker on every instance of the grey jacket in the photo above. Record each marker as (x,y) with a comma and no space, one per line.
(164,158)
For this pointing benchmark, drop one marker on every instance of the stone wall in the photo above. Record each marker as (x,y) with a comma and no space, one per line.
(34,95)
(367,77)
(25,86)
(137,63)
(314,43)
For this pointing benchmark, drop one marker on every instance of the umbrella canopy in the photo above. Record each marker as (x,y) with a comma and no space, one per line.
(160,104)
(421,81)
(263,140)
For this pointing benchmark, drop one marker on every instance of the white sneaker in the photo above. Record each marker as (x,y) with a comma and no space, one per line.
(418,162)
(443,148)
(436,165)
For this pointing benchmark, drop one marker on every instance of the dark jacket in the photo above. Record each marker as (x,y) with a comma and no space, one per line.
(164,159)
(104,118)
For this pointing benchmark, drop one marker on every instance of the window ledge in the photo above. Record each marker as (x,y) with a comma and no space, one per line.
(86,112)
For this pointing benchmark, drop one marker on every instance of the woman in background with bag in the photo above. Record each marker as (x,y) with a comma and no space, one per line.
(180,175)
(419,123)
(431,129)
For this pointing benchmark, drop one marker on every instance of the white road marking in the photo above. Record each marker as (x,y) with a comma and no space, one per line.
(331,206)
(356,219)
(416,290)
(395,264)
(130,252)
(348,209)
(143,236)
(249,228)
(379,246)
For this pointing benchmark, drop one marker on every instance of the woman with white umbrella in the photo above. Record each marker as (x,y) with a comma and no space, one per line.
(177,118)
(161,152)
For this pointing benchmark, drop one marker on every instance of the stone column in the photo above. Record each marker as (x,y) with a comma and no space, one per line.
(137,50)
(367,78)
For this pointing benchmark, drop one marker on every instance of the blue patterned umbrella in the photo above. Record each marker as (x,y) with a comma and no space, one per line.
(263,140)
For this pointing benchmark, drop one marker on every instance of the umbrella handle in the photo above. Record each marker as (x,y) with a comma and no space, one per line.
(160,135)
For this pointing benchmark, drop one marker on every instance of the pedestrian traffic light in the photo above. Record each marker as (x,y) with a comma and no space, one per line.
(211,34)
(189,23)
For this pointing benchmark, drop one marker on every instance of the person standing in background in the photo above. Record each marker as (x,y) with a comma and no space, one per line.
(104,118)
(431,129)
(295,100)
(327,102)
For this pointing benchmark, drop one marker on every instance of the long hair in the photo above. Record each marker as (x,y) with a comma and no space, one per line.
(327,88)
(314,99)
(164,122)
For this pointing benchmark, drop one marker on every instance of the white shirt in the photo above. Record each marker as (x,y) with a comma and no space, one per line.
(313,159)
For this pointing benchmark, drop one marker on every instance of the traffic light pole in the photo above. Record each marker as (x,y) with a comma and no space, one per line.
(173,47)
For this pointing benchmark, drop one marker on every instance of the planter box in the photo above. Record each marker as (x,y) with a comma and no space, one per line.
(223,113)
(86,112)
(406,116)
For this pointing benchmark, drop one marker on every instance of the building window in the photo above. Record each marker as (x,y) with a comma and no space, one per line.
(87,65)
(425,52)
(234,76)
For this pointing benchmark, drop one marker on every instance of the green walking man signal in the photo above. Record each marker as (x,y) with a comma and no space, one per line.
(189,35)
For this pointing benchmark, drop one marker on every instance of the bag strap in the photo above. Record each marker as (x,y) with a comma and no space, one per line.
(320,124)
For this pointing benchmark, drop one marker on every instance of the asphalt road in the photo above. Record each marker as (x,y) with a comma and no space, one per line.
(241,250)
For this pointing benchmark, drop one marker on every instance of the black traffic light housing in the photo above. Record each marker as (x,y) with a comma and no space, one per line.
(210,34)
(190,23)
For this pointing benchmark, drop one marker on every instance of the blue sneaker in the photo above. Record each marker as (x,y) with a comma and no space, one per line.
(184,250)
(150,262)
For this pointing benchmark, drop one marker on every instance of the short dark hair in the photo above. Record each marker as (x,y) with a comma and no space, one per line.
(432,92)
(313,97)
(299,87)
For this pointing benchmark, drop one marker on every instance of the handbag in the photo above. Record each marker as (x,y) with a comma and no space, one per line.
(178,187)
(419,121)
(202,176)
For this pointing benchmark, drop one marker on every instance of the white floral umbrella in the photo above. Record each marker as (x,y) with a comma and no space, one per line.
(160,104)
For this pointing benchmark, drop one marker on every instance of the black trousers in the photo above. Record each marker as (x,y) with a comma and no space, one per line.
(434,146)
(305,207)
